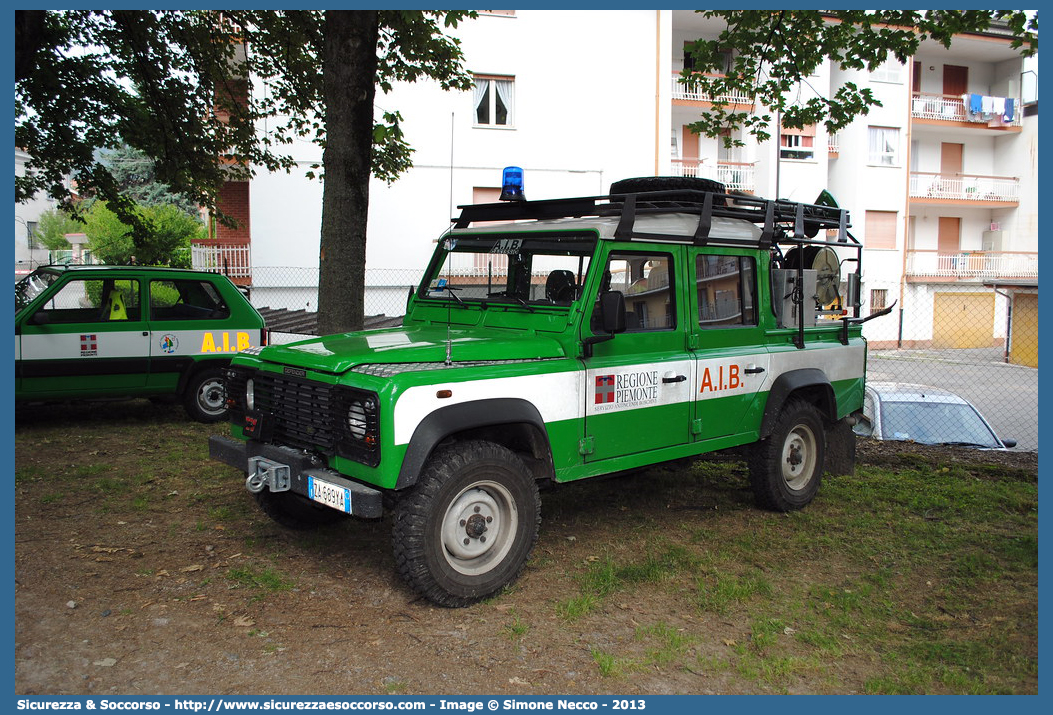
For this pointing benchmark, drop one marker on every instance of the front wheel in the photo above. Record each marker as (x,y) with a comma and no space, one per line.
(466,529)
(205,395)
(787,466)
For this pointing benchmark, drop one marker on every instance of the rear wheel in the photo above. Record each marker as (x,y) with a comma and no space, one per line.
(786,467)
(205,395)
(465,530)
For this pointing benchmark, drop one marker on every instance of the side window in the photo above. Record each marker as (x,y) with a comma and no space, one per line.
(186,300)
(92,301)
(646,280)
(727,290)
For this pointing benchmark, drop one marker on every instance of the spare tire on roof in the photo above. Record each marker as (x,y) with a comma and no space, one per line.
(644,184)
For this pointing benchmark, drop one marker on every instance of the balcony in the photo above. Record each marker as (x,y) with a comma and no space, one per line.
(692,94)
(735,176)
(229,258)
(974,189)
(955,108)
(972,266)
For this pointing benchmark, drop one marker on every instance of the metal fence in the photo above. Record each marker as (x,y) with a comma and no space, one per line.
(975,340)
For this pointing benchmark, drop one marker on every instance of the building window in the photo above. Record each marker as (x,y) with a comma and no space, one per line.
(884,146)
(878,299)
(726,61)
(494,101)
(797,143)
(880,229)
(31,235)
(891,72)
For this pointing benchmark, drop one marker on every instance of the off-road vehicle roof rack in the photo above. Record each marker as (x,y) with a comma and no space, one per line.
(781,220)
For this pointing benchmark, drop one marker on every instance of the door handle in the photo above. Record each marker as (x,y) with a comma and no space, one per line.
(678,378)
(753,370)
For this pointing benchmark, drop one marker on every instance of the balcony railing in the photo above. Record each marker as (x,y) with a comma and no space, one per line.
(955,108)
(964,187)
(682,91)
(972,265)
(735,176)
(231,259)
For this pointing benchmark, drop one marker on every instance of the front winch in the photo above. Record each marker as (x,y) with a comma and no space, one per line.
(264,472)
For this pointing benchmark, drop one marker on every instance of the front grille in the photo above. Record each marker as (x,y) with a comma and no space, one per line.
(305,414)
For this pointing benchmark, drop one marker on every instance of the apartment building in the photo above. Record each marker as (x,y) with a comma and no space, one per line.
(941,179)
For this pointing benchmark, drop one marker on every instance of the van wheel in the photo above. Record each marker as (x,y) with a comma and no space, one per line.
(466,529)
(205,395)
(294,511)
(786,467)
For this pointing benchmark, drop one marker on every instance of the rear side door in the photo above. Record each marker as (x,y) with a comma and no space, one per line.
(732,362)
(638,385)
(87,337)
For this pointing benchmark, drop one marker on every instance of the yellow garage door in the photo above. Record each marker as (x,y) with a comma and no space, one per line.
(963,320)
(1023,349)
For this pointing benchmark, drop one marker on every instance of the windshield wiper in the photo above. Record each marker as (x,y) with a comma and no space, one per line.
(967,444)
(516,298)
(452,290)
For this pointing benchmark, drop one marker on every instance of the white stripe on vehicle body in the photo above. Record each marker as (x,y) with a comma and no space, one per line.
(838,362)
(579,394)
(557,396)
(85,344)
(633,387)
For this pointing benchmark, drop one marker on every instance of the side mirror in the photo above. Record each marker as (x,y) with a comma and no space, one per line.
(1009,443)
(612,311)
(612,319)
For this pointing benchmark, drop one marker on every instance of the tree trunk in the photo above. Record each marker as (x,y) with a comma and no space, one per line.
(349,76)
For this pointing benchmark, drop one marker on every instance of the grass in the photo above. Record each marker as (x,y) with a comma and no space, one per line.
(917,569)
(919,572)
(268,580)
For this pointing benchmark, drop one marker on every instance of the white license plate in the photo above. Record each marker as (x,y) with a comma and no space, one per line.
(329,494)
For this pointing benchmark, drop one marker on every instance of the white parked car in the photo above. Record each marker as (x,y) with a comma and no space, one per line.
(926,415)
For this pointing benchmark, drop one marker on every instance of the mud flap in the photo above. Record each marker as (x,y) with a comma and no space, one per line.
(840,449)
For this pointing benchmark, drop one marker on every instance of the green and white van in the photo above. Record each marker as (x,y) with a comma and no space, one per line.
(130,331)
(552,341)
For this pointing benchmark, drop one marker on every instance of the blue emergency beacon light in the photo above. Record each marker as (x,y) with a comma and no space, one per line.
(512,184)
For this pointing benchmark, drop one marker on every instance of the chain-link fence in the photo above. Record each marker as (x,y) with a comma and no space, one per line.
(977,341)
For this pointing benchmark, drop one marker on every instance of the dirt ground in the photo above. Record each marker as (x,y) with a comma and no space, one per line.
(143,568)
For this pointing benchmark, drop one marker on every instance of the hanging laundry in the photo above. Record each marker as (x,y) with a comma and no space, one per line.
(987,105)
(998,105)
(1009,107)
(975,103)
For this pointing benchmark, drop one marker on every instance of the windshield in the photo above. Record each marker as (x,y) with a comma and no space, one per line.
(935,423)
(524,269)
(30,287)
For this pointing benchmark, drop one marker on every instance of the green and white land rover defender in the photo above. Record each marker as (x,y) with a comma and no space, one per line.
(551,341)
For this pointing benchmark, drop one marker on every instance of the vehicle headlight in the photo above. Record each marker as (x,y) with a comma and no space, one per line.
(358,413)
(250,394)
